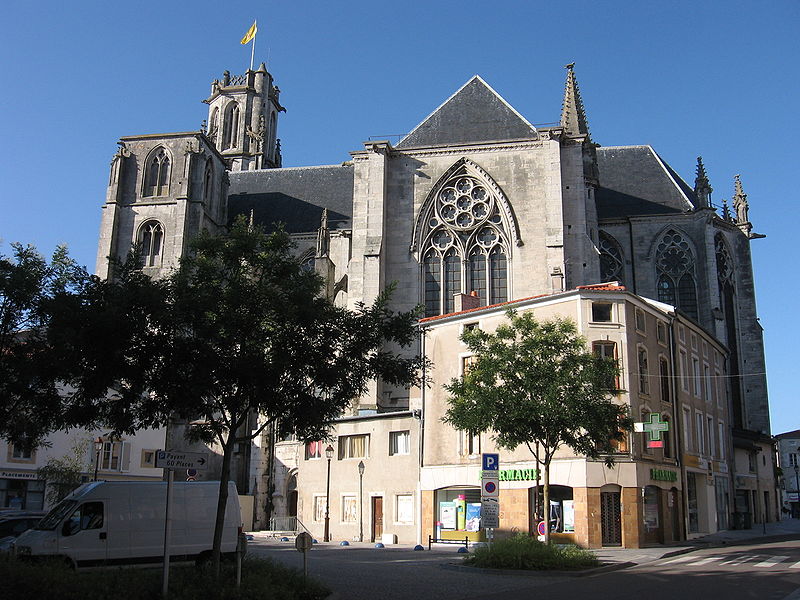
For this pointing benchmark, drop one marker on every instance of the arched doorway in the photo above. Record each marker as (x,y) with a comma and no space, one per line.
(291,497)
(610,515)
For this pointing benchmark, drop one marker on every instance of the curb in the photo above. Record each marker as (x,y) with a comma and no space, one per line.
(606,568)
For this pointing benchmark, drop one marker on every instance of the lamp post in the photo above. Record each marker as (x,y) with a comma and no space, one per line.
(361,497)
(329,456)
(98,447)
(797,488)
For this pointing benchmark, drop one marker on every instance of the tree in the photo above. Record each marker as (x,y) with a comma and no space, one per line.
(535,384)
(63,474)
(242,330)
(31,289)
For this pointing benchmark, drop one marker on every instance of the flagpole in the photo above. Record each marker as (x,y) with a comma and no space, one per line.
(253,49)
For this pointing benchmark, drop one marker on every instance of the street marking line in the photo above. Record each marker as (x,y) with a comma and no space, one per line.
(705,561)
(795,565)
(771,562)
(679,559)
(740,560)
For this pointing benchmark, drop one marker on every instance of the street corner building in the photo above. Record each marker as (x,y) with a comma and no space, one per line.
(473,211)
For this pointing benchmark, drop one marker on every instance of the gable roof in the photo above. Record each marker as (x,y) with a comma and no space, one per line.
(634,180)
(475,113)
(293,196)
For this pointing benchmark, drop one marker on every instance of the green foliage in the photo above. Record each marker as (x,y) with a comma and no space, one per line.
(261,579)
(527,553)
(31,290)
(63,474)
(536,382)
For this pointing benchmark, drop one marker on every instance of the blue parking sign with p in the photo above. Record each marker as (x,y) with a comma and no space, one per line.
(491,462)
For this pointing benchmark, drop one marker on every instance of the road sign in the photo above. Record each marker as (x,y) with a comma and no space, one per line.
(490,513)
(191,472)
(541,528)
(191,479)
(167,459)
(491,462)
(303,541)
(490,489)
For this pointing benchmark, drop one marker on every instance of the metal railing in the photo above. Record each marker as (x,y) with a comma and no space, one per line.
(283,524)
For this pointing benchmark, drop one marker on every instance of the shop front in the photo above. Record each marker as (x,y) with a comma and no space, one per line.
(21,490)
(457,514)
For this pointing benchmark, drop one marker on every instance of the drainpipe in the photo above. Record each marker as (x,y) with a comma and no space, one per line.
(421,442)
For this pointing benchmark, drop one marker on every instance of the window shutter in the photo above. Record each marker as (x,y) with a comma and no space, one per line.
(91,454)
(125,463)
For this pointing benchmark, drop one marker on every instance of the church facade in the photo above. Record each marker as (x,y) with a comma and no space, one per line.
(474,201)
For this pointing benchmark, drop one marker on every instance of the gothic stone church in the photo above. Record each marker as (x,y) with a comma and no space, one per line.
(474,200)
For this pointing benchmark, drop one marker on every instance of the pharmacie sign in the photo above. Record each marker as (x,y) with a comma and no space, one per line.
(663,475)
(518,474)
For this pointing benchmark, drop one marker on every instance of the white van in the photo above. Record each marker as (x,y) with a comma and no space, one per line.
(122,522)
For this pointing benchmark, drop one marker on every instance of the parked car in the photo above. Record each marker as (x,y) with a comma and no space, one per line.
(122,522)
(13,523)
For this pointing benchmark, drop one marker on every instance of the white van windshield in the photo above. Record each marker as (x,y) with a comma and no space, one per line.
(57,514)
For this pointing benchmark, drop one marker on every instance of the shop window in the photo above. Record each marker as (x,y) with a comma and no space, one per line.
(404,509)
(353,446)
(399,443)
(651,522)
(349,509)
(601,312)
(562,510)
(21,494)
(458,510)
(691,496)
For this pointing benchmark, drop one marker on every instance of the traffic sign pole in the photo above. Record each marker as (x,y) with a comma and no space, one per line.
(167,532)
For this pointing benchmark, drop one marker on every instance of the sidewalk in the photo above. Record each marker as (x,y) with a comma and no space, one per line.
(788,529)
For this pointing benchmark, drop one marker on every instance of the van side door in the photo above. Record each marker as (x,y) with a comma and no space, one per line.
(83,535)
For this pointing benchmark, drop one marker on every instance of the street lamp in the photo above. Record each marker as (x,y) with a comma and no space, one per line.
(797,487)
(361,504)
(329,456)
(98,448)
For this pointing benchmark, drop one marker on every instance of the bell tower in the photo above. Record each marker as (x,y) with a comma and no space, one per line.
(243,120)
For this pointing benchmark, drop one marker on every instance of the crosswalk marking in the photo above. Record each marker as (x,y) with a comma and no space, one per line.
(795,565)
(771,562)
(705,561)
(763,561)
(740,560)
(680,559)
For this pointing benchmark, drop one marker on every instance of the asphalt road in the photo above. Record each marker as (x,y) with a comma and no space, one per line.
(757,571)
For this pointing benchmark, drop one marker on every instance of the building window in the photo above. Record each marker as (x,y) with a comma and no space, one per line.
(601,312)
(696,383)
(661,332)
(687,429)
(664,379)
(21,454)
(469,443)
(710,431)
(721,439)
(320,503)
(349,509)
(213,125)
(404,509)
(314,450)
(708,383)
(464,241)
(701,448)
(793,459)
(644,373)
(675,273)
(399,443)
(751,462)
(684,371)
(641,324)
(151,242)
(607,350)
(148,460)
(115,456)
(353,446)
(611,261)
(230,127)
(208,184)
(156,175)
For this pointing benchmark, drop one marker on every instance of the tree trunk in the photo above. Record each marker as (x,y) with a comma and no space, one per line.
(546,499)
(219,525)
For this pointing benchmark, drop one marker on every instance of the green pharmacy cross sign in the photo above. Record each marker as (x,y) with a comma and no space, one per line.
(654,427)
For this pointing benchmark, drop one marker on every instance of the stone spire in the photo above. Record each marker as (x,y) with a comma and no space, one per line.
(323,236)
(702,188)
(573,117)
(726,212)
(741,207)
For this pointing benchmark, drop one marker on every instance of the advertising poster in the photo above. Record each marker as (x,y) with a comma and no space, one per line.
(474,516)
(447,515)
(461,513)
(569,516)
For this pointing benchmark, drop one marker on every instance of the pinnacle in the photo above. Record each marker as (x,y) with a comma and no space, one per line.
(702,188)
(573,116)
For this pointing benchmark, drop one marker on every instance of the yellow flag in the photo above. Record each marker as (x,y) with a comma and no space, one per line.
(251,33)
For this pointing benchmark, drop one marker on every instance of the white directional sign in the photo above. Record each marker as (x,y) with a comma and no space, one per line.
(168,459)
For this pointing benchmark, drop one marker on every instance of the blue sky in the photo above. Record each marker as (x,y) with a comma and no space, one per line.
(717,79)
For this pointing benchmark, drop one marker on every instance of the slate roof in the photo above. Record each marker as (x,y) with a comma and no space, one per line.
(634,180)
(475,113)
(293,196)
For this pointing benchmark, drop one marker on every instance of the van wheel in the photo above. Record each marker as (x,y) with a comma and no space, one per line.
(203,559)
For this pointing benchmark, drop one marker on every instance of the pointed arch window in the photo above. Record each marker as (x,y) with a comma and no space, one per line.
(611,259)
(213,125)
(151,242)
(156,177)
(230,127)
(208,184)
(464,240)
(675,268)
